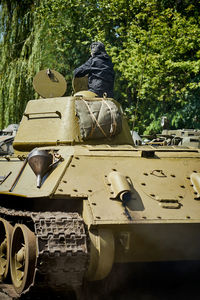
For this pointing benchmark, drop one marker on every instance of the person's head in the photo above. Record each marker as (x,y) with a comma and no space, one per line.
(97,48)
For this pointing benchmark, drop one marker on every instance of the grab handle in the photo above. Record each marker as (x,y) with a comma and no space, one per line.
(58,114)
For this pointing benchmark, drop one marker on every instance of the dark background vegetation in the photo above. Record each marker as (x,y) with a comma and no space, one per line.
(154,45)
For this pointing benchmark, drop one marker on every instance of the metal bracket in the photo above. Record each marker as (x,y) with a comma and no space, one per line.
(124,239)
(158,173)
(170,203)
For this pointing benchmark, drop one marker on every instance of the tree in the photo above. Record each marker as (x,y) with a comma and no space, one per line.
(20,57)
(159,63)
(153,44)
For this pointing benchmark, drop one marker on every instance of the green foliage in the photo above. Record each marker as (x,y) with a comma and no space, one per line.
(160,63)
(20,58)
(155,47)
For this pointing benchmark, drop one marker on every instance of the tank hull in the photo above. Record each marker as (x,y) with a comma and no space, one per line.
(156,224)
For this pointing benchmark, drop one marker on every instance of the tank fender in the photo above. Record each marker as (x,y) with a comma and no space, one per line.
(102,251)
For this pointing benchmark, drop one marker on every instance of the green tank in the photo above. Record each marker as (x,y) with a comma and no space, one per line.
(77,196)
(170,137)
(174,137)
(6,139)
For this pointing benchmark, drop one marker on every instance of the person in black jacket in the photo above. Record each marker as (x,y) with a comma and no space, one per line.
(99,69)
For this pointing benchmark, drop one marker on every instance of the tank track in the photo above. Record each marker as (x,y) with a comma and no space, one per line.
(62,250)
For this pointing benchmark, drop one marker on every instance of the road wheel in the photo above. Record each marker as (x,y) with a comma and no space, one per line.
(22,257)
(5,240)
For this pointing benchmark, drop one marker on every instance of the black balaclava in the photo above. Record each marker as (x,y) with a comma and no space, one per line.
(97,48)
